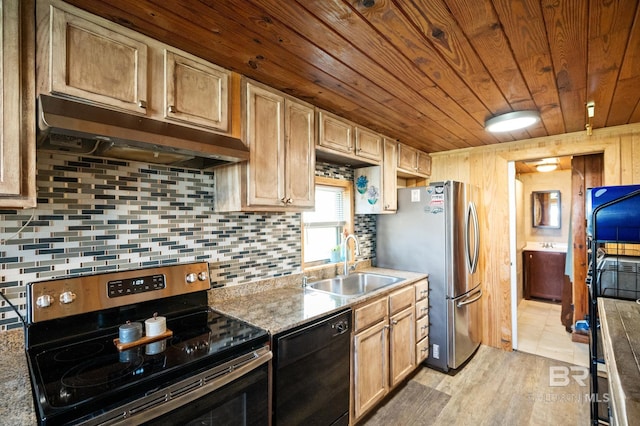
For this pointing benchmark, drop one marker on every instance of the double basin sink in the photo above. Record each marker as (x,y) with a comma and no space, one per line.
(356,284)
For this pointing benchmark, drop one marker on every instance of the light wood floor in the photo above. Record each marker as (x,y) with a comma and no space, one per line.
(494,388)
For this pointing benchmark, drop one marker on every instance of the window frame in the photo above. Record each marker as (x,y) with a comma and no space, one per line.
(347,187)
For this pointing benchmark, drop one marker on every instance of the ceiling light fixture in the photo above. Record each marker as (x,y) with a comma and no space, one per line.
(511,121)
(547,165)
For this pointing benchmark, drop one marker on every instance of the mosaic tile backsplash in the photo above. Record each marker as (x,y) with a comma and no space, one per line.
(97,215)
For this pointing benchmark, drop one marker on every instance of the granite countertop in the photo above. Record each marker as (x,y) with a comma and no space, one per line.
(273,307)
(620,325)
(16,404)
(279,309)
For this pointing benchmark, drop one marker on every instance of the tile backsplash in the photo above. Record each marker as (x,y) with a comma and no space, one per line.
(98,215)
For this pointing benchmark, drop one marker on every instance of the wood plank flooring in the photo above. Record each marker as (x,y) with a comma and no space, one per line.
(495,388)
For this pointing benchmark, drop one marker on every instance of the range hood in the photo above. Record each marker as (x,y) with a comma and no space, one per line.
(71,126)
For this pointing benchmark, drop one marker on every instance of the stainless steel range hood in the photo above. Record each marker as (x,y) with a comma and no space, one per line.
(72,126)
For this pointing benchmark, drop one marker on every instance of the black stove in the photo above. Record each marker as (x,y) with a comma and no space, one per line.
(79,374)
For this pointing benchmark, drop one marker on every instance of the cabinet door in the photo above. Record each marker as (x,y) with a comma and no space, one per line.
(335,133)
(407,158)
(17,105)
(371,370)
(390,176)
(300,154)
(368,144)
(423,162)
(402,341)
(196,92)
(265,136)
(544,274)
(97,64)
(10,99)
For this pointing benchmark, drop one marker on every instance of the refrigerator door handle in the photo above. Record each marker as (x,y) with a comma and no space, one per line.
(476,234)
(472,215)
(470,301)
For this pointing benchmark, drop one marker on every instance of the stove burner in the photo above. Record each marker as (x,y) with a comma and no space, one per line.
(102,371)
(78,352)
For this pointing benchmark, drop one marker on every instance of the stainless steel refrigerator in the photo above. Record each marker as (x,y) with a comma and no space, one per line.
(436,231)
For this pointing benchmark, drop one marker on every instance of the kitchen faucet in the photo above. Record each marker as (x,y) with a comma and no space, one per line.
(344,251)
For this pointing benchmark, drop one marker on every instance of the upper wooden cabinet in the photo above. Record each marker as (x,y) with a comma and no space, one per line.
(196,92)
(341,137)
(281,169)
(413,161)
(17,105)
(97,61)
(368,144)
(390,176)
(377,186)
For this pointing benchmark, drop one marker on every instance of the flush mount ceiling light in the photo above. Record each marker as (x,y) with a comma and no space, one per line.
(547,165)
(511,121)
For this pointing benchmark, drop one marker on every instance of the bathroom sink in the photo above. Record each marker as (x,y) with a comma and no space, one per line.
(355,284)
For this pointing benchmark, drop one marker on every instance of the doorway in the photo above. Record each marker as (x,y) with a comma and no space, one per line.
(536,322)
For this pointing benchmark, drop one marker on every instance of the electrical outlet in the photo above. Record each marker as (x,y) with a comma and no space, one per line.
(436,351)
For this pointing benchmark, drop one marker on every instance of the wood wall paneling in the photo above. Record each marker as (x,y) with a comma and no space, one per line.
(487,168)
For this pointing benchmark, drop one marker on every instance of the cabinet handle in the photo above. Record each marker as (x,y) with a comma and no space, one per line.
(394,322)
(285,200)
(142,104)
(289,201)
(423,293)
(172,109)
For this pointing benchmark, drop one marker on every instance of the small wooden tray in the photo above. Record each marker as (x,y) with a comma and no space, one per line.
(142,341)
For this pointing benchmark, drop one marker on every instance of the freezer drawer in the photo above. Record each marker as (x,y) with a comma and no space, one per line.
(465,327)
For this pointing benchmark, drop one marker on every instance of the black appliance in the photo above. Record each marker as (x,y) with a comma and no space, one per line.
(311,373)
(211,369)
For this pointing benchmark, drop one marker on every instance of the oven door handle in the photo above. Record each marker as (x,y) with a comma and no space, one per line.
(179,394)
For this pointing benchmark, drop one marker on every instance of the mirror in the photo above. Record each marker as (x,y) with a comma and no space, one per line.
(545,209)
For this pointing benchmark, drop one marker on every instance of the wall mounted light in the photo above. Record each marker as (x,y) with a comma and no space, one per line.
(511,121)
(591,111)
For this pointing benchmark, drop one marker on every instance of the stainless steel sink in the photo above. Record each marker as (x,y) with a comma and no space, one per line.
(356,284)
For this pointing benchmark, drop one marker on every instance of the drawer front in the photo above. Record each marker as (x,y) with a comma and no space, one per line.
(371,313)
(422,289)
(422,350)
(422,328)
(422,308)
(401,299)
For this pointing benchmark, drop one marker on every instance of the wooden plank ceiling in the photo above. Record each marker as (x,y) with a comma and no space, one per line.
(426,72)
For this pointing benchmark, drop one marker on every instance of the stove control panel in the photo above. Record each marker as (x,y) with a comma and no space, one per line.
(127,286)
(64,297)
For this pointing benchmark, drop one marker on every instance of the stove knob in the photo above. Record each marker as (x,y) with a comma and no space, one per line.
(67,297)
(202,276)
(191,278)
(189,349)
(44,301)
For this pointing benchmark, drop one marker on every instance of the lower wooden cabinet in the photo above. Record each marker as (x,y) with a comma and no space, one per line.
(383,347)
(543,274)
(422,320)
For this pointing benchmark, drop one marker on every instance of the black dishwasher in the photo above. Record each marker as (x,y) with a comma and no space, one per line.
(311,374)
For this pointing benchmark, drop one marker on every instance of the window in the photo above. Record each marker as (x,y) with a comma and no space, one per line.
(322,229)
